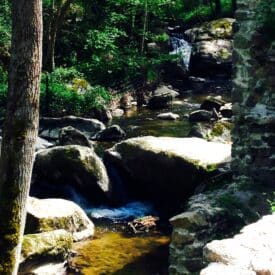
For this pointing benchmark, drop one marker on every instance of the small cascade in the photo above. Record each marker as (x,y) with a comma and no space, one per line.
(181,47)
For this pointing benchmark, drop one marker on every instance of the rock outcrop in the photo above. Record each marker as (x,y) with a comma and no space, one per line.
(112,133)
(166,169)
(209,215)
(73,165)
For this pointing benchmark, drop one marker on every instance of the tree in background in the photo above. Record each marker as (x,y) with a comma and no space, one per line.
(20,128)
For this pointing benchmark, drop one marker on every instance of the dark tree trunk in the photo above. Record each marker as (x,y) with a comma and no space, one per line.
(234,6)
(20,129)
(218,7)
(57,19)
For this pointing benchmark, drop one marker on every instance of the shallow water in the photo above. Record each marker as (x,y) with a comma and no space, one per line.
(116,253)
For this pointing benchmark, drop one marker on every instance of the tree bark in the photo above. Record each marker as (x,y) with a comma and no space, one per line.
(20,128)
(234,6)
(57,20)
(145,22)
(218,7)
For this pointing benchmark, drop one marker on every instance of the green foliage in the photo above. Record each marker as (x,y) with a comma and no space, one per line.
(63,99)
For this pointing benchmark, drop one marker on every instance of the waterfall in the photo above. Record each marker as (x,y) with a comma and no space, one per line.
(182,48)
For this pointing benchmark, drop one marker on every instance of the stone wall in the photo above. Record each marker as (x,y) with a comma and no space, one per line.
(214,214)
(254,93)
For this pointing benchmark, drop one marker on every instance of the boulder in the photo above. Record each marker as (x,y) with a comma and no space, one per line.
(111,133)
(252,251)
(200,115)
(212,56)
(168,116)
(71,136)
(165,169)
(217,29)
(54,245)
(162,97)
(212,47)
(45,215)
(73,165)
(50,127)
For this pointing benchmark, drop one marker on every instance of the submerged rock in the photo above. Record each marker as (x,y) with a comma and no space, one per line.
(166,169)
(71,136)
(45,215)
(50,127)
(75,165)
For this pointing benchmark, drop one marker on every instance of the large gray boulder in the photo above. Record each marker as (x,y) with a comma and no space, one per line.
(44,215)
(250,252)
(73,165)
(165,169)
(49,128)
(212,46)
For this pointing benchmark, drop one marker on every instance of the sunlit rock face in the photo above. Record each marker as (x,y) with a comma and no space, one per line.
(250,252)
(253,93)
(166,170)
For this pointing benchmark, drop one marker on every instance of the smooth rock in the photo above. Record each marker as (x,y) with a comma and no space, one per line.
(73,165)
(163,168)
(164,90)
(253,250)
(168,116)
(112,133)
(45,215)
(50,127)
(71,136)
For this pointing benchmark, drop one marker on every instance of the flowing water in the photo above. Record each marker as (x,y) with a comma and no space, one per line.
(182,48)
(113,250)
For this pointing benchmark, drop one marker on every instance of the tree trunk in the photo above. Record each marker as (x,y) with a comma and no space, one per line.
(20,128)
(57,20)
(218,7)
(234,6)
(145,22)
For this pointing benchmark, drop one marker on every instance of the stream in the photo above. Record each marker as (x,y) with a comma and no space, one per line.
(114,250)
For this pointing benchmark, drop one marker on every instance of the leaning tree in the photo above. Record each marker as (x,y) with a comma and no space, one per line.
(19,129)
